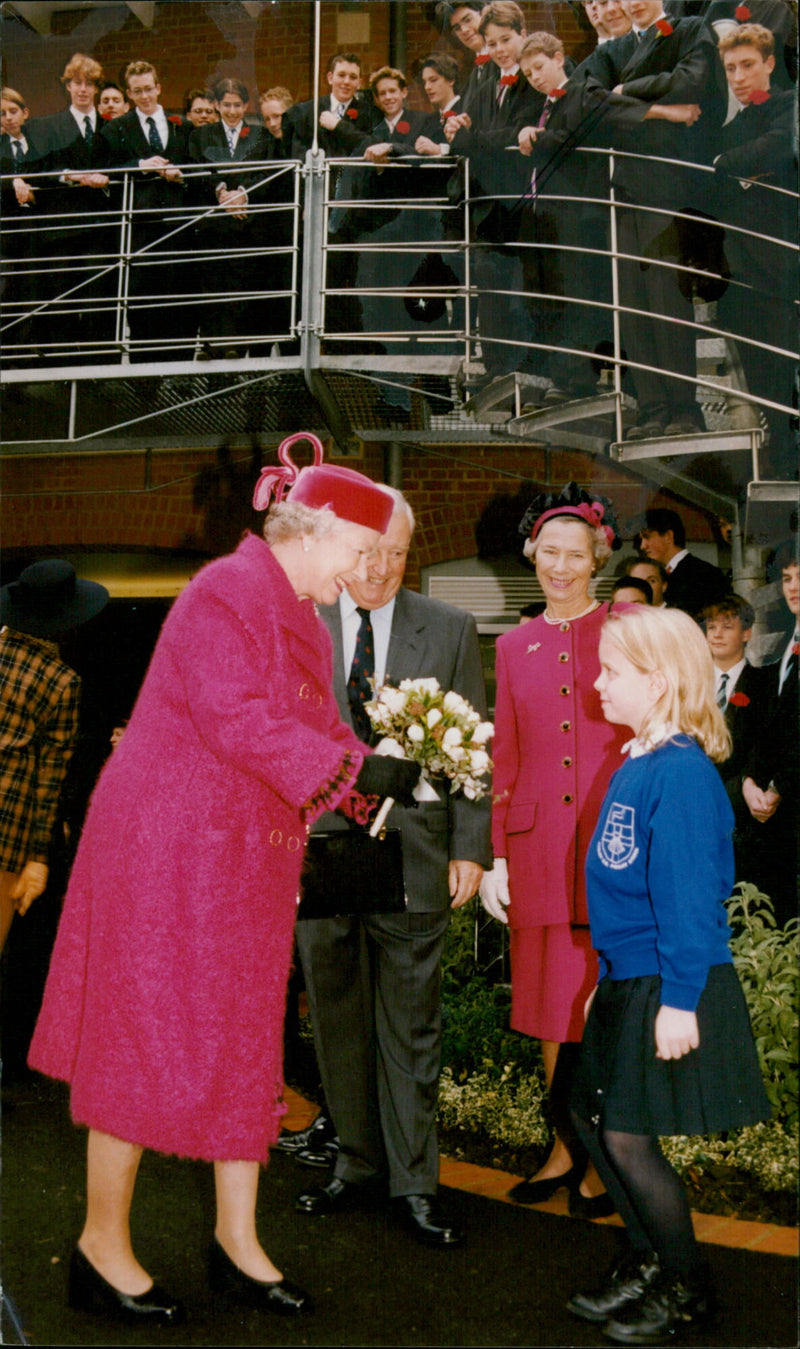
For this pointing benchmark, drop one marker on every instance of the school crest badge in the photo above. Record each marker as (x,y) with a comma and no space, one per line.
(617,847)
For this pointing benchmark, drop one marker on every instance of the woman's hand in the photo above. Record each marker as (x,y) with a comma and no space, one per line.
(383,775)
(676,1033)
(29,884)
(494,892)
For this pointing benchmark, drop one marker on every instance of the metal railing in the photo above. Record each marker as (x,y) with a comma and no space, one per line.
(85,289)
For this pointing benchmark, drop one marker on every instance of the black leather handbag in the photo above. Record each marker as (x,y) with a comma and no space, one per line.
(347,872)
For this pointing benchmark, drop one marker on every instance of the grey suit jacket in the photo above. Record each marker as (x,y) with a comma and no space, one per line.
(432,640)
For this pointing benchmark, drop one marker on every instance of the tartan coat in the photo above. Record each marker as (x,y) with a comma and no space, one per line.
(165,1000)
(39,707)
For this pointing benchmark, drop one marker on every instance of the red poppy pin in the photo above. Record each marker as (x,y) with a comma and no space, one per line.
(175,120)
(742,13)
(107,116)
(506,80)
(759,96)
(557,93)
(352,113)
(664,27)
(482,59)
(739,700)
(245,131)
(403,127)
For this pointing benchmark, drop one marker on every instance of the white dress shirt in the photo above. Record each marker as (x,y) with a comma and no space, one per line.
(162,126)
(381,620)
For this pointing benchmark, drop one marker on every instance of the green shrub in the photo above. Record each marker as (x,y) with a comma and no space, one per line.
(493,1082)
(766,960)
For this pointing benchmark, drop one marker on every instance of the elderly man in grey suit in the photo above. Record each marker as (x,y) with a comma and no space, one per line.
(373,982)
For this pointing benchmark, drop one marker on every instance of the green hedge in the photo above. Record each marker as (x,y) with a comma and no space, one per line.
(493,1082)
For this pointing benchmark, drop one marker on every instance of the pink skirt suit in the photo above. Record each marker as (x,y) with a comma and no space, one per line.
(554,754)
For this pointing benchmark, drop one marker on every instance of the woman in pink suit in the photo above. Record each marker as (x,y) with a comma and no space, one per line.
(165,998)
(554,753)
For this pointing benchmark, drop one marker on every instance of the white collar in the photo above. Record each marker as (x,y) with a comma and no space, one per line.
(733,674)
(675,559)
(81,116)
(158,116)
(657,735)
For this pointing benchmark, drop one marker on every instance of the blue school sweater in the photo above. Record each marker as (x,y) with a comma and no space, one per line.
(659,868)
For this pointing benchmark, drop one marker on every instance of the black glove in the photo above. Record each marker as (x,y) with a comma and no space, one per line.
(381,775)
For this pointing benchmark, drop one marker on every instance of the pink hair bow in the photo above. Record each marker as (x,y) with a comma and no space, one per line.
(281,480)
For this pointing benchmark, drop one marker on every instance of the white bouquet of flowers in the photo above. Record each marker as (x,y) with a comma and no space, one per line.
(438,730)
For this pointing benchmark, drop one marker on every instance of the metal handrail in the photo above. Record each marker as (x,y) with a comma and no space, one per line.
(310,303)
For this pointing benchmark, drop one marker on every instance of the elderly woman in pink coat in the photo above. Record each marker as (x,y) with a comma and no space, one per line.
(554,754)
(165,998)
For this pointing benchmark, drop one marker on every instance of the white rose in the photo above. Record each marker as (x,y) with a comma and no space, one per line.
(479,761)
(433,717)
(451,738)
(393,700)
(427,685)
(416,734)
(453,702)
(483,732)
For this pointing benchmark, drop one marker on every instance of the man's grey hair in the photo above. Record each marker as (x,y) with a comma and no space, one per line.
(400,503)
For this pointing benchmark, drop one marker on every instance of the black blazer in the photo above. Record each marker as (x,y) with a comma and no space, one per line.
(33,161)
(694,584)
(573,119)
(680,66)
(351,132)
(746,718)
(479,77)
(208,145)
(62,147)
(123,144)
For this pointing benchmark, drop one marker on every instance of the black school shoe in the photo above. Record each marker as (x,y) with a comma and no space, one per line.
(675,1304)
(626,1282)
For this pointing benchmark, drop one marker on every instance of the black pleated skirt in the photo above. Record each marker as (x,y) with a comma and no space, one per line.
(620,1084)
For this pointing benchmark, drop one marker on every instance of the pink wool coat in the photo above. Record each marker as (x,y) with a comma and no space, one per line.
(165,999)
(553,754)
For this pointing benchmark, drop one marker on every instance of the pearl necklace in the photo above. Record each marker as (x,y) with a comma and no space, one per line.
(594,604)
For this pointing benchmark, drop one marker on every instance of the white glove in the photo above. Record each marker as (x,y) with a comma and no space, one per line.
(494,890)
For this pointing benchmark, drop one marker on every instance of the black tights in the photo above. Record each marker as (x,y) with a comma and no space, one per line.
(649,1195)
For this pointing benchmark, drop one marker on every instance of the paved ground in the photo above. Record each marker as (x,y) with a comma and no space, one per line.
(373,1285)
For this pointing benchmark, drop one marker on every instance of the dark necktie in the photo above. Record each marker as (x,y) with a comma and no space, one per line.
(88,133)
(359,689)
(17,150)
(153,137)
(722,692)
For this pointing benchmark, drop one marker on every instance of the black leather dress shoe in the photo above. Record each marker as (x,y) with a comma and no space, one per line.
(671,1308)
(88,1291)
(338,1196)
(229,1284)
(319,1132)
(626,1282)
(422,1216)
(320,1159)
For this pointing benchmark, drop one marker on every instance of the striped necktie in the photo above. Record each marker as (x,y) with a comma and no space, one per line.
(722,691)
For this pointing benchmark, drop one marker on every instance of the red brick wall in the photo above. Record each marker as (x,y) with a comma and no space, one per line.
(194,42)
(98,501)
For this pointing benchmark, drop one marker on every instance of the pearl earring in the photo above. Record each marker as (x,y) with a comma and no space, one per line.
(306,546)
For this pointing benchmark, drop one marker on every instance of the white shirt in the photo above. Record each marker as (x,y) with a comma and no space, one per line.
(336,106)
(733,675)
(160,119)
(80,118)
(232,133)
(785,658)
(381,620)
(673,562)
